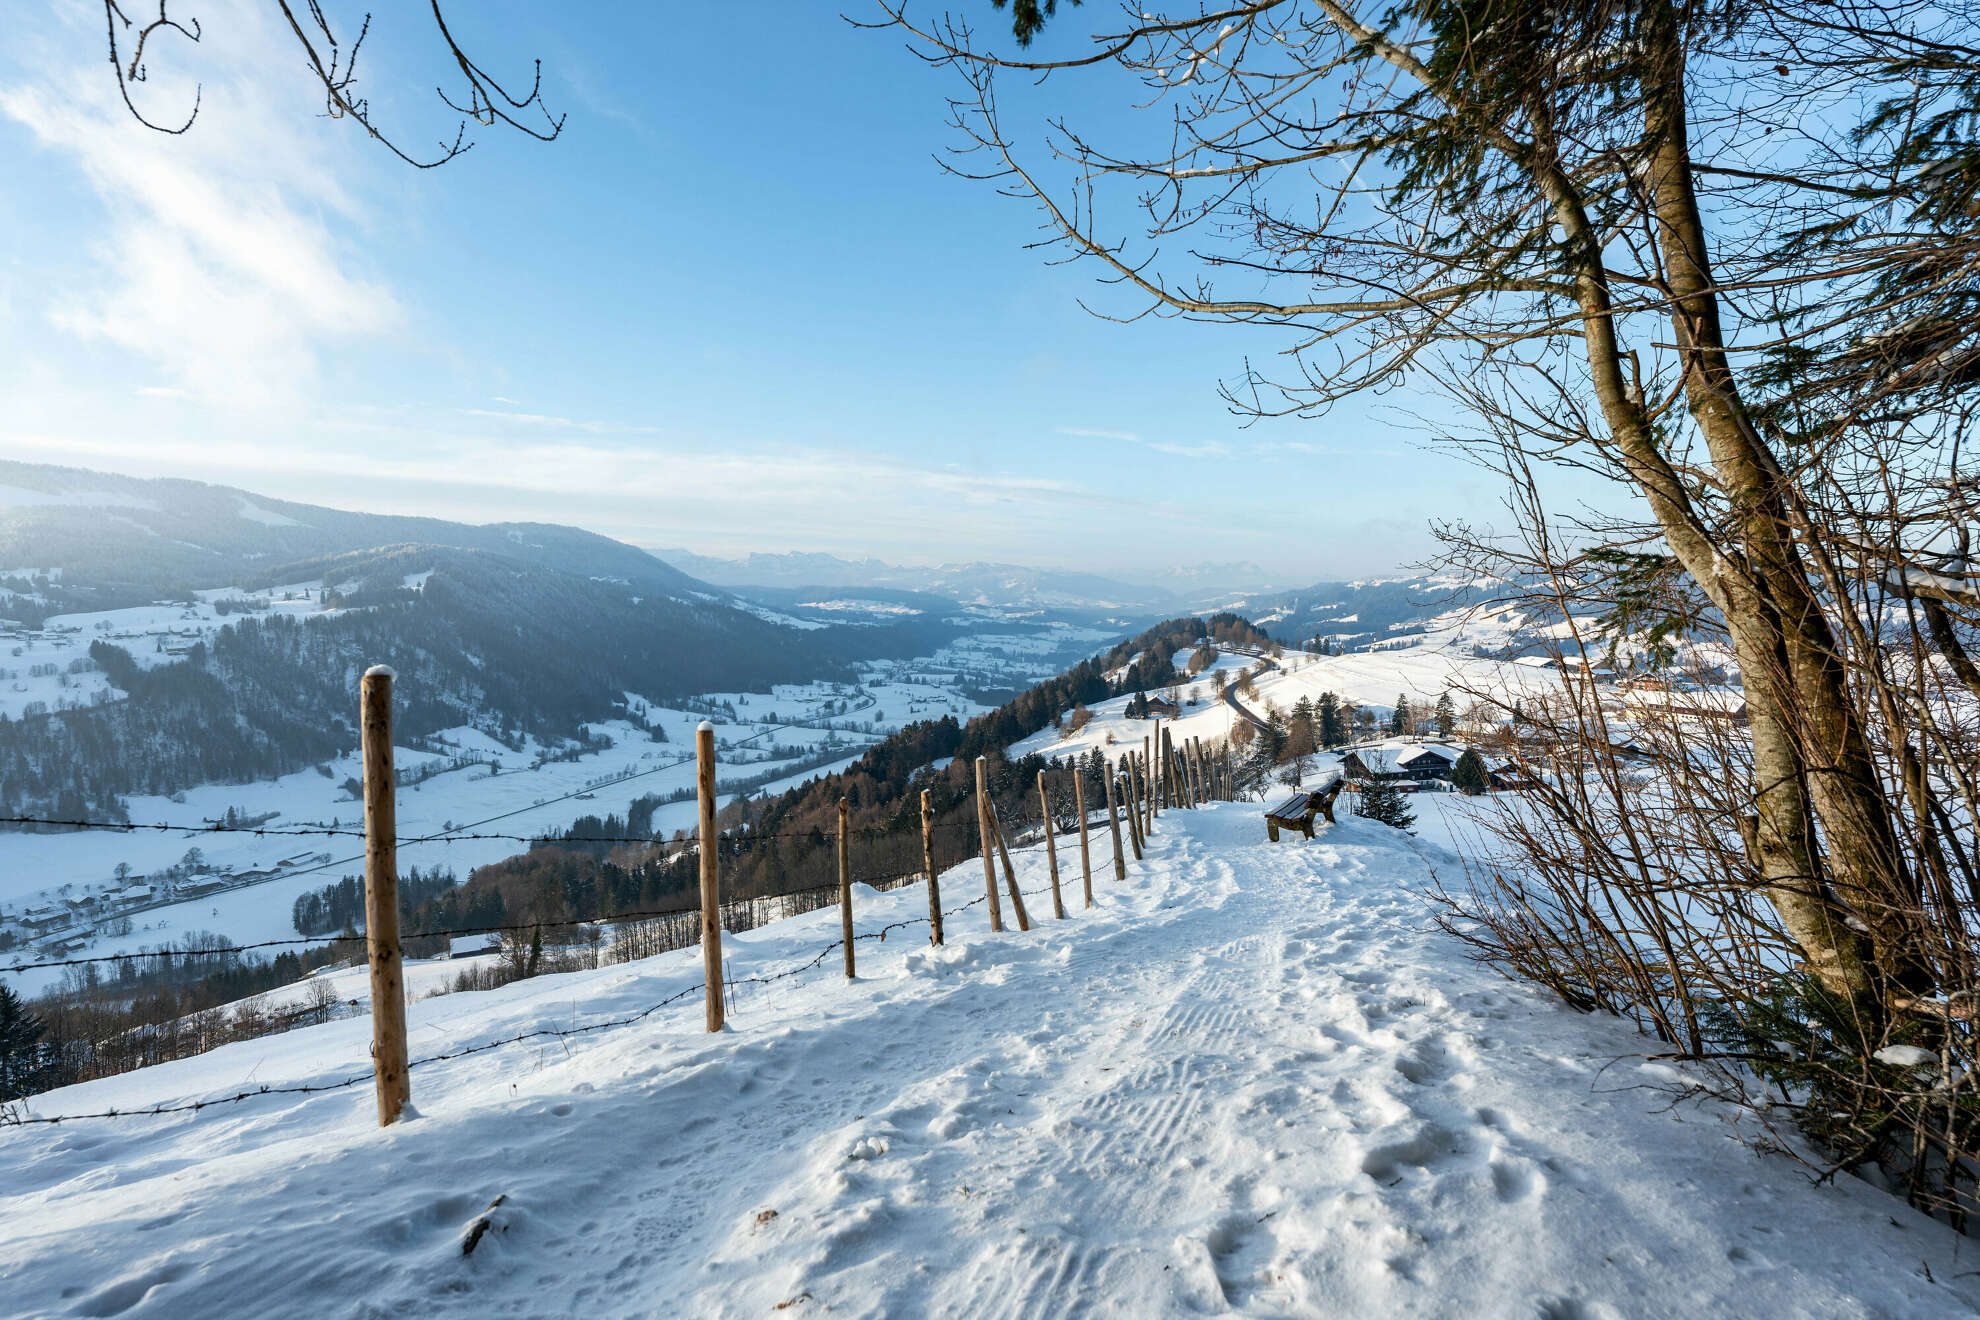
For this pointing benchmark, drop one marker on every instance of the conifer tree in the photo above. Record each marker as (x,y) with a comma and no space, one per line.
(1446,715)
(1469,775)
(1399,722)
(1301,724)
(1330,728)
(27,1063)
(1382,801)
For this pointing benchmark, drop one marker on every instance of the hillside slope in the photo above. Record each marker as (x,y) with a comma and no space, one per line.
(1253,1081)
(249,671)
(124,536)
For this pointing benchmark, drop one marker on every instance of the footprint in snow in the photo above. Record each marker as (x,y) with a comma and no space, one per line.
(1429,1147)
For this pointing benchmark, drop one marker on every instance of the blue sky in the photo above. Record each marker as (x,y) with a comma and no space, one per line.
(737,307)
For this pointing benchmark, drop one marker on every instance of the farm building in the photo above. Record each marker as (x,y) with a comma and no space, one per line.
(1410,762)
(1401,760)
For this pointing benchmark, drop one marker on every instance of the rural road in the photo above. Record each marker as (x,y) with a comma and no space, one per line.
(1230,699)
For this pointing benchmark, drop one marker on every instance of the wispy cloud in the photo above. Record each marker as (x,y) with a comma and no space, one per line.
(1100,433)
(551,422)
(1207,449)
(219,257)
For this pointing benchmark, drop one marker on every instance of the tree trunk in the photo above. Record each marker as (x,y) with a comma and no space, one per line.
(1865,862)
(1786,852)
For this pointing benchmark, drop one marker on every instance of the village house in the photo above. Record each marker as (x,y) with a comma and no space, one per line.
(1411,763)
(1419,762)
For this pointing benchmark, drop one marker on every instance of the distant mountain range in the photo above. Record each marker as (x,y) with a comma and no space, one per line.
(124,537)
(1350,614)
(515,628)
(984,585)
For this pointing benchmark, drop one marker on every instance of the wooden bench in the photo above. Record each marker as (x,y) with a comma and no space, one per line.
(1297,810)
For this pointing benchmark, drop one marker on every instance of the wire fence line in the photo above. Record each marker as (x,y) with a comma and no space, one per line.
(451,834)
(15,1114)
(407,840)
(642,932)
(670,849)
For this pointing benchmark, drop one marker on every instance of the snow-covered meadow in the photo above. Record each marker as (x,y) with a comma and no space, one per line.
(1421,672)
(1253,1081)
(254,880)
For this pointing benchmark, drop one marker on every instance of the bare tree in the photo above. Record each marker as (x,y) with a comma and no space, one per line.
(478,97)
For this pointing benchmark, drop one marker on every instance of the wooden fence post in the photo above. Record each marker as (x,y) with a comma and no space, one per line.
(711,884)
(928,862)
(989,848)
(1152,753)
(390,1073)
(1129,794)
(846,883)
(1132,804)
(1085,849)
(1164,785)
(1165,753)
(1010,874)
(1114,825)
(1147,793)
(1051,849)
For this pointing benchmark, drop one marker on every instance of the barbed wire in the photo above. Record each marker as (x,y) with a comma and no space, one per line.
(231,950)
(9,1118)
(446,834)
(727,836)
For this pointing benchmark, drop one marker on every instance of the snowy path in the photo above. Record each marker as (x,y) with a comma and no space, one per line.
(1254,1082)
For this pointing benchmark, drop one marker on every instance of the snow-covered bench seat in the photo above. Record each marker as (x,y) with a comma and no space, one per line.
(1297,809)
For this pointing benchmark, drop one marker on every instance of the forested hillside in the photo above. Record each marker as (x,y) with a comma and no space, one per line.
(785,843)
(485,640)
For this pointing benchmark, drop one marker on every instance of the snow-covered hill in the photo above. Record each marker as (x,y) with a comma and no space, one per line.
(1254,1081)
(1422,673)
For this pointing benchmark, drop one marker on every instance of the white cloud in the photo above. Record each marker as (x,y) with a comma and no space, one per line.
(1208,449)
(219,257)
(550,422)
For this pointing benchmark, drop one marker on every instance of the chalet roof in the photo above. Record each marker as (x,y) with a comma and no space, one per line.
(1391,758)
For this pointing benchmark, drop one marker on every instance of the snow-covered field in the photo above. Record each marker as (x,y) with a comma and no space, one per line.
(48,668)
(795,726)
(1254,1081)
(1421,672)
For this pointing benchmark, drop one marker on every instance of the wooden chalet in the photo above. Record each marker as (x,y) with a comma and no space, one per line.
(1419,762)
